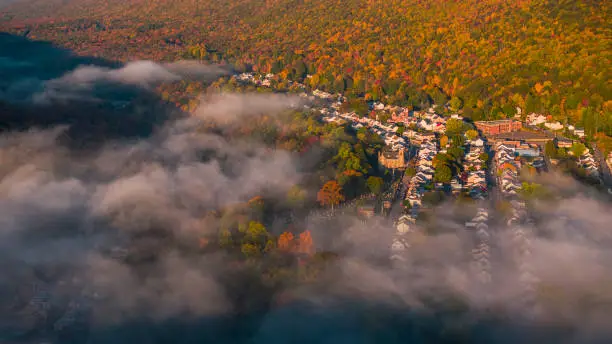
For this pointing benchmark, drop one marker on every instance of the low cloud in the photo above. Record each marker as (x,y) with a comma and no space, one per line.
(58,207)
(227,107)
(80,84)
(141,73)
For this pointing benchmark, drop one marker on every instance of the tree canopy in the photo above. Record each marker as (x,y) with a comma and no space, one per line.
(330,194)
(487,57)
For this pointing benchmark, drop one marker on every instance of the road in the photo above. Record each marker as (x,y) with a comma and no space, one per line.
(397,207)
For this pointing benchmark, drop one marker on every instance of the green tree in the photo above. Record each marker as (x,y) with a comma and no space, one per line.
(411,171)
(300,69)
(276,67)
(456,103)
(534,190)
(454,127)
(296,197)
(384,117)
(471,134)
(438,96)
(375,184)
(433,198)
(250,250)
(550,149)
(577,149)
(256,234)
(443,174)
(484,157)
(357,105)
(456,153)
(458,141)
(440,159)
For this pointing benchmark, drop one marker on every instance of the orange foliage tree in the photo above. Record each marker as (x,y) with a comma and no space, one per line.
(330,194)
(305,244)
(285,242)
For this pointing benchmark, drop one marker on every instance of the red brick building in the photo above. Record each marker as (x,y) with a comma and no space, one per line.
(498,127)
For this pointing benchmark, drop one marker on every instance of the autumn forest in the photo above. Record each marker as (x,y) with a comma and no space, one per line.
(543,56)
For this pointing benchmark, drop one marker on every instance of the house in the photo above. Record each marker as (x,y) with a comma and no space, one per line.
(403,225)
(366,210)
(426,168)
(415,201)
(529,152)
(510,187)
(536,119)
(409,133)
(477,143)
(456,184)
(399,245)
(579,132)
(428,137)
(407,219)
(483,234)
(554,125)
(511,192)
(538,163)
(562,142)
(479,218)
(423,175)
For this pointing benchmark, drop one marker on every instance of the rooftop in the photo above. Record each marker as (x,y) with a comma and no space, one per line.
(500,121)
(390,153)
(521,135)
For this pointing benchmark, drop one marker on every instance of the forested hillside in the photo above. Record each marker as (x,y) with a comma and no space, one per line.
(541,55)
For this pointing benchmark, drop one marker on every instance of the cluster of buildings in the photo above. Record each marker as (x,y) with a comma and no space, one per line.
(589,164)
(521,231)
(475,177)
(388,132)
(537,120)
(427,121)
(480,264)
(401,241)
(259,80)
(508,167)
(510,157)
(413,195)
(424,174)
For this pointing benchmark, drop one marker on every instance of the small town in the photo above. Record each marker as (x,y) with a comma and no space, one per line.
(493,155)
(433,156)
(304,172)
